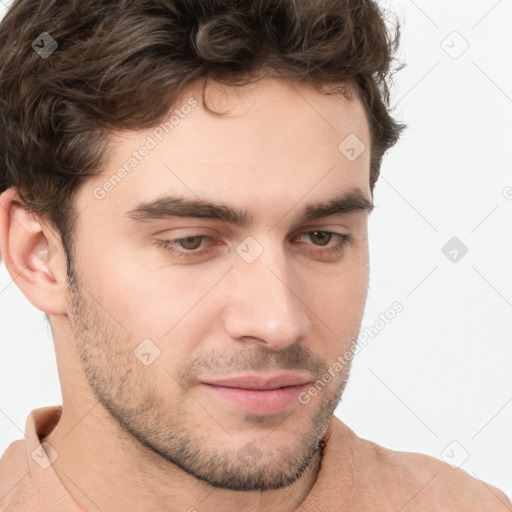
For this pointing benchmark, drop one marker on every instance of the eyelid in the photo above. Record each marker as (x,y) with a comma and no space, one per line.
(188,231)
(201,230)
(193,255)
(194,232)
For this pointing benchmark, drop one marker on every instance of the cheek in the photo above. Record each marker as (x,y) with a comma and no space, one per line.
(344,307)
(337,306)
(166,305)
(342,288)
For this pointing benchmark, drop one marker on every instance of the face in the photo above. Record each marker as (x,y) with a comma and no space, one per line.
(262,282)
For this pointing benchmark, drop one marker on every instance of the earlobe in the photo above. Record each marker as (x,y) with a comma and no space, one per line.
(31,258)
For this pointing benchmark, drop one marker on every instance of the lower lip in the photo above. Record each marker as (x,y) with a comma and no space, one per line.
(270,401)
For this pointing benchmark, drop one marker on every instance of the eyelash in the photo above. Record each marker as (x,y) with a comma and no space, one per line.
(170,245)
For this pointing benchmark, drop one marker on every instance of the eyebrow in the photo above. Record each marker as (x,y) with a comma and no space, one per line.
(174,206)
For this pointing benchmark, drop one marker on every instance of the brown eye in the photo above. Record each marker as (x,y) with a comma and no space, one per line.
(190,243)
(187,247)
(323,237)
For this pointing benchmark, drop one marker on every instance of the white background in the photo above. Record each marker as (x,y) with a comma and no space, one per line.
(440,371)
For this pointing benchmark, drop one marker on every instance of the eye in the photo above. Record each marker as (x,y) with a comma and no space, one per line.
(323,238)
(190,246)
(190,243)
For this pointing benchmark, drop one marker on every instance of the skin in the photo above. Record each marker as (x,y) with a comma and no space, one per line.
(135,437)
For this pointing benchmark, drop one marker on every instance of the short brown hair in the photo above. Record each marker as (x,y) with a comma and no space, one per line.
(122,64)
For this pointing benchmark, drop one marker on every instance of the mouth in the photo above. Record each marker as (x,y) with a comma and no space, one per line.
(261,394)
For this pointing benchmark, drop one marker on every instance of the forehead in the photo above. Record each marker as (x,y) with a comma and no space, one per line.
(276,141)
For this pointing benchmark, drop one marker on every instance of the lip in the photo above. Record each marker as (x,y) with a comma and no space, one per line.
(257,393)
(261,382)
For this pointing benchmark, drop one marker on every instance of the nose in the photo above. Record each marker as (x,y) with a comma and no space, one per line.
(265,305)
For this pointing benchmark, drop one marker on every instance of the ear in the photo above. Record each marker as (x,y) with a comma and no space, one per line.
(33,255)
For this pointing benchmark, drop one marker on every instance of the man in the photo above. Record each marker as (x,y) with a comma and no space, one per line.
(201,251)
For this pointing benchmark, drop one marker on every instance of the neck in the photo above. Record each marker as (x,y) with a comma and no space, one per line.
(105,468)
